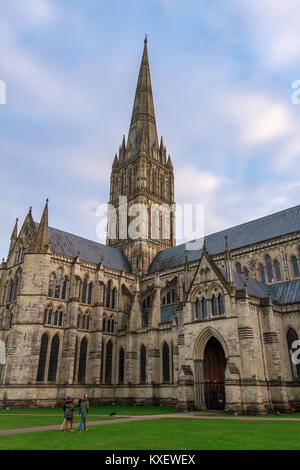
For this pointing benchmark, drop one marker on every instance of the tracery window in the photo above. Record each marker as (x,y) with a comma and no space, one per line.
(58,284)
(295,265)
(90,293)
(143,364)
(277,270)
(238,268)
(166,363)
(121,365)
(269,265)
(82,361)
(292,336)
(52,371)
(108,365)
(42,358)
(262,273)
(51,285)
(84,289)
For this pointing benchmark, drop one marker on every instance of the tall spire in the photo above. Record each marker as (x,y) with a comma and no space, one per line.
(42,237)
(142,133)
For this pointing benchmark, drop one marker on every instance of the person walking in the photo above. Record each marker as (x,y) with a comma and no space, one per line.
(69,410)
(64,421)
(84,409)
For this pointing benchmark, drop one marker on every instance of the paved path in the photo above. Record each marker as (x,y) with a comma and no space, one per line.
(193,415)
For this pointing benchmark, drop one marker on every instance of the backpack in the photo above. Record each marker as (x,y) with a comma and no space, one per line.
(69,411)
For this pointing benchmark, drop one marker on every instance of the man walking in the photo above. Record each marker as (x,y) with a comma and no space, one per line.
(84,409)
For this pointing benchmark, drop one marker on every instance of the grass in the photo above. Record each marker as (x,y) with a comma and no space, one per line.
(98,410)
(18,422)
(166,433)
(282,415)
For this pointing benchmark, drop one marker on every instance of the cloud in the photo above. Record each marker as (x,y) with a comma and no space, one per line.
(275,29)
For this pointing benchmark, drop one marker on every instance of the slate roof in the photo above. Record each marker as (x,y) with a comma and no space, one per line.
(283,293)
(65,243)
(271,226)
(287,292)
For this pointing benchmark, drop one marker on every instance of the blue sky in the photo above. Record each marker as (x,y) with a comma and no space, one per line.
(221,76)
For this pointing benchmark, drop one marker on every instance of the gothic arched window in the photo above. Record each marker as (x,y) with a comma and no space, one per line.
(143,365)
(64,288)
(221,304)
(269,268)
(292,336)
(82,361)
(49,321)
(83,322)
(204,308)
(45,315)
(75,360)
(78,320)
(52,371)
(113,298)
(58,284)
(87,322)
(108,294)
(84,289)
(42,359)
(60,320)
(51,285)
(55,318)
(262,273)
(238,268)
(246,272)
(214,306)
(108,365)
(166,363)
(103,324)
(295,265)
(277,270)
(198,308)
(121,365)
(90,293)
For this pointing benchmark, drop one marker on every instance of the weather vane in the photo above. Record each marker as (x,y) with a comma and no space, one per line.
(146,37)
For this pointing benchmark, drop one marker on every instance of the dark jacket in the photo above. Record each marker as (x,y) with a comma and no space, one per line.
(68,409)
(84,408)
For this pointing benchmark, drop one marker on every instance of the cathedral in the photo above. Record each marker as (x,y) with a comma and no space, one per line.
(142,320)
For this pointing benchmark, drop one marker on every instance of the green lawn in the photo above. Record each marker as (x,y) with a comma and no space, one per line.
(166,434)
(281,415)
(99,410)
(17,422)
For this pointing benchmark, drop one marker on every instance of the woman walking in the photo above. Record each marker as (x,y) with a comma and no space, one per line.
(84,409)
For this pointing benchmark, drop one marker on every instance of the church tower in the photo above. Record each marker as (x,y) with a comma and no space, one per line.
(142,185)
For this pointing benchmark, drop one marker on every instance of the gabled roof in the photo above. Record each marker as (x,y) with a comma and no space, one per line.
(271,226)
(65,243)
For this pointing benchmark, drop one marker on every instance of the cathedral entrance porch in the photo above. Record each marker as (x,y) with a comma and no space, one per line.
(210,352)
(214,374)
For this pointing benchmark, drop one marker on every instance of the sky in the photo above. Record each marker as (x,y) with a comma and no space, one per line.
(222,75)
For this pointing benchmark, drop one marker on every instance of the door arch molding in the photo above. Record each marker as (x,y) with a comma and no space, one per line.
(202,340)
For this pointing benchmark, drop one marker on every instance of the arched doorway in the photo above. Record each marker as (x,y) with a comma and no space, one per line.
(214,374)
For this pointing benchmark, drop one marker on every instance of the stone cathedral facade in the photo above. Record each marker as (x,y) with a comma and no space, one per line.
(143,320)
